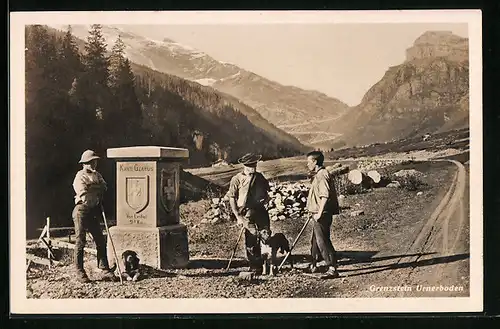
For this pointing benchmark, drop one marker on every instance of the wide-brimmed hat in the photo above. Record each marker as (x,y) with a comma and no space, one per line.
(249,159)
(88,156)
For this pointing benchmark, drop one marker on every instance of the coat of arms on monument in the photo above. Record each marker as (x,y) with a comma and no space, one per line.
(168,189)
(137,193)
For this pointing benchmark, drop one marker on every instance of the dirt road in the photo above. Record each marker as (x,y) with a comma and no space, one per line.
(431,260)
(431,255)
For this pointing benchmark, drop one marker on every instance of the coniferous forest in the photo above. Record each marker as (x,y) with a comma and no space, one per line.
(81,95)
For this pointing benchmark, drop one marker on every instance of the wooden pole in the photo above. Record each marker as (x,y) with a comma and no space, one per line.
(235,248)
(49,253)
(112,244)
(43,233)
(294,243)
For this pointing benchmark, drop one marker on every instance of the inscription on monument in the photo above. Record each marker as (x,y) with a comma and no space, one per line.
(136,180)
(135,167)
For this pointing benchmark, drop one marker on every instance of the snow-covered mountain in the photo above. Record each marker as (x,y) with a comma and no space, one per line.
(287,107)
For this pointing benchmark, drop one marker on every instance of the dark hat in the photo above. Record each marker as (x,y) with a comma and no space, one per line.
(249,159)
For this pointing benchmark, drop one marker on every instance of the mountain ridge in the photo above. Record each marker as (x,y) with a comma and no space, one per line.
(279,104)
(267,129)
(427,93)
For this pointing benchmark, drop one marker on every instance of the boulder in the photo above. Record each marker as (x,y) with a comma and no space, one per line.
(209,214)
(408,172)
(273,211)
(394,184)
(342,201)
(246,276)
(357,213)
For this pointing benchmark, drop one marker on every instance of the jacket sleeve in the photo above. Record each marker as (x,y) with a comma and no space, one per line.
(79,184)
(233,187)
(103,183)
(323,186)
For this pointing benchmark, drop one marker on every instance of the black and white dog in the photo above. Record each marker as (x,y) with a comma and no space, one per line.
(130,265)
(270,245)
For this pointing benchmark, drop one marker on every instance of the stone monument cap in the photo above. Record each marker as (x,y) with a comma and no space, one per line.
(153,152)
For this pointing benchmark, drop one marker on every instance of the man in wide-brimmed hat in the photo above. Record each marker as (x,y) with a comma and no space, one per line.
(248,193)
(89,188)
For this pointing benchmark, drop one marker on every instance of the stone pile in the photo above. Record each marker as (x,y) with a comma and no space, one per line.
(219,210)
(287,200)
(408,172)
(367,165)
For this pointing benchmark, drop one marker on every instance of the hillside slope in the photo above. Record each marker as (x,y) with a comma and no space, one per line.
(72,105)
(280,105)
(230,133)
(428,93)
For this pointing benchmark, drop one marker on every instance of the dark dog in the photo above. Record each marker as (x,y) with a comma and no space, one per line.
(130,265)
(270,245)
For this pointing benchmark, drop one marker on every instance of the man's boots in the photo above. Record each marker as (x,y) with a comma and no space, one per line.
(107,272)
(81,276)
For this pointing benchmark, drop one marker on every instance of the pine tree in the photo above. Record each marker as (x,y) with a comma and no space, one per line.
(70,62)
(92,88)
(116,63)
(126,112)
(91,92)
(95,60)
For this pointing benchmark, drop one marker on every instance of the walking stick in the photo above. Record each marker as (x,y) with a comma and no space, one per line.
(294,243)
(235,247)
(112,244)
(252,181)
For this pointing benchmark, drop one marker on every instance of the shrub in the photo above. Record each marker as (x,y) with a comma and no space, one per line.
(345,187)
(410,182)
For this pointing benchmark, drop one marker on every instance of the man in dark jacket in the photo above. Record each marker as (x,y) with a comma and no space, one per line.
(248,193)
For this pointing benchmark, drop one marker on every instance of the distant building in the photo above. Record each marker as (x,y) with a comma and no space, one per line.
(426,137)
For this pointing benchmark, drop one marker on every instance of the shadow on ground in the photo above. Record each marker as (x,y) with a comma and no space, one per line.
(216,267)
(357,257)
(215,264)
(414,264)
(151,272)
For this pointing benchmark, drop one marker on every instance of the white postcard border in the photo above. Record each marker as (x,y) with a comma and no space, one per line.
(21,305)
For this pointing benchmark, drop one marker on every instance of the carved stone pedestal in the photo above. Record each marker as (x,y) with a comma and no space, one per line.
(147,206)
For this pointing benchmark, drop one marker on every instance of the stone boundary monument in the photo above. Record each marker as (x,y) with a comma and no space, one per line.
(147,206)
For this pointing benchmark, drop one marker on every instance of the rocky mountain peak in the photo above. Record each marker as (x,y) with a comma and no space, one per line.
(434,44)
